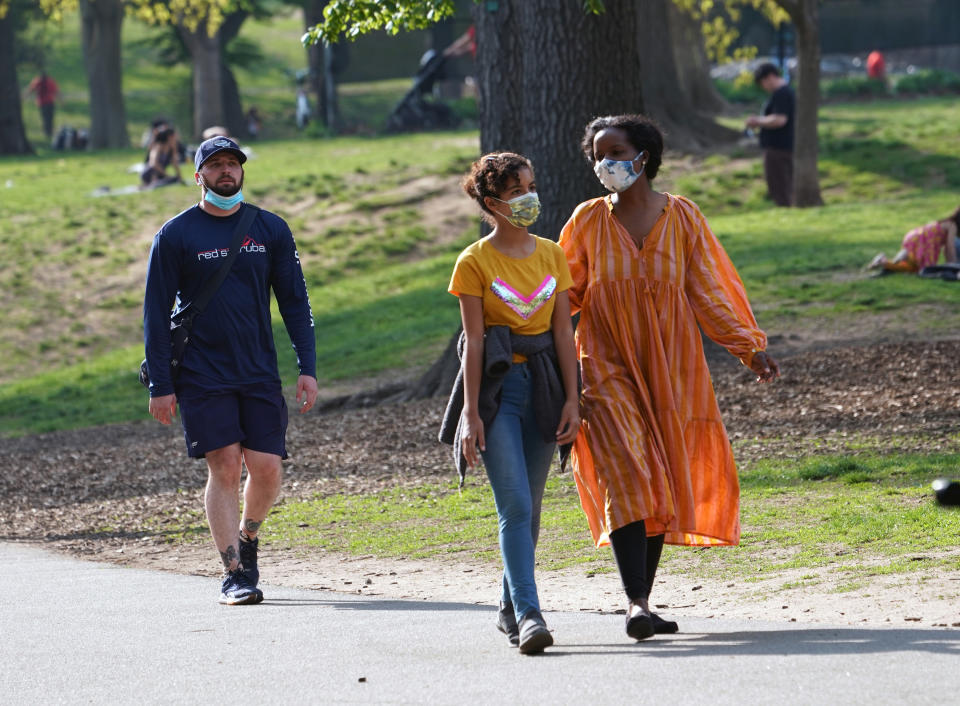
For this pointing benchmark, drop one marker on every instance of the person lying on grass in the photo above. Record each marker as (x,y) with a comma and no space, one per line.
(921,247)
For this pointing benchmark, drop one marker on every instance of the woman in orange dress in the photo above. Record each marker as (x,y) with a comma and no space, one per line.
(652,461)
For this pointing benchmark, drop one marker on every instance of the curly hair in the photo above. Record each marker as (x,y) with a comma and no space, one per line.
(490,175)
(642,132)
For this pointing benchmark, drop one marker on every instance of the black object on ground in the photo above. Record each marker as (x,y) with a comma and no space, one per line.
(947,492)
(948,271)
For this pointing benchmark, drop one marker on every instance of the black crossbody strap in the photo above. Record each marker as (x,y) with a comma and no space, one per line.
(236,240)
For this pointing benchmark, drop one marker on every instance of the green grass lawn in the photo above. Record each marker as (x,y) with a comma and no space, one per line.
(71,283)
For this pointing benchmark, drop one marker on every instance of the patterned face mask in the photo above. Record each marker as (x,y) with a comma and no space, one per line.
(524,210)
(617,175)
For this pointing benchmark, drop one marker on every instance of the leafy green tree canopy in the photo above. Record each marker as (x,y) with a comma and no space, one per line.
(351,18)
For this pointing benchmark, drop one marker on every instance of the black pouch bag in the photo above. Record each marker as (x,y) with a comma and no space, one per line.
(181,322)
(180,325)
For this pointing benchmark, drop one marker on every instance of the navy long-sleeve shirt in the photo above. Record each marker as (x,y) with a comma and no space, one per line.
(232,341)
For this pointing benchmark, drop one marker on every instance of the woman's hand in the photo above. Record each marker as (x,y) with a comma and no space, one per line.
(472,438)
(764,366)
(569,423)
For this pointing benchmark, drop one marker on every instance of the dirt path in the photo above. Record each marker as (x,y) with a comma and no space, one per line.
(89,492)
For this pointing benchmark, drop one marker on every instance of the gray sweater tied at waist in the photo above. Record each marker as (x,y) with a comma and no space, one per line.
(499,345)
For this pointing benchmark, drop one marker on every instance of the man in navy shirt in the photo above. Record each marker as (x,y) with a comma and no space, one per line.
(776,133)
(228,386)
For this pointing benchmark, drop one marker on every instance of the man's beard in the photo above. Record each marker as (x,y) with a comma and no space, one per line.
(225,190)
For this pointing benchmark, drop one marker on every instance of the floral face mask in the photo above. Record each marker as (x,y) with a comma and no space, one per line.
(617,175)
(524,210)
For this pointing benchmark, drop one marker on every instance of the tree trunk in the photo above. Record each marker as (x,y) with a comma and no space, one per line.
(331,107)
(576,66)
(499,62)
(665,89)
(13,137)
(312,16)
(806,180)
(693,68)
(102,22)
(232,106)
(207,77)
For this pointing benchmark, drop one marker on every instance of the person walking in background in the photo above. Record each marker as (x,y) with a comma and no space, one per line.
(254,123)
(876,66)
(231,403)
(921,247)
(652,461)
(303,108)
(47,93)
(776,133)
(516,396)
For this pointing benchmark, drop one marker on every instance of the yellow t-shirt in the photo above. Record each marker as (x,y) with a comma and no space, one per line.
(516,292)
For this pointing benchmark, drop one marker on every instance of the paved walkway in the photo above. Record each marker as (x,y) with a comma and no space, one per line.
(80,632)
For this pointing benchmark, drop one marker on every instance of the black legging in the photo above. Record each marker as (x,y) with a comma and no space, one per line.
(637,557)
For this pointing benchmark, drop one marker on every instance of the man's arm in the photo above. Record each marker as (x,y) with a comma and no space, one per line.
(767,122)
(290,289)
(159,295)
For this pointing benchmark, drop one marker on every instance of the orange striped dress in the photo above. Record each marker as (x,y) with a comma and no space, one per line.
(652,446)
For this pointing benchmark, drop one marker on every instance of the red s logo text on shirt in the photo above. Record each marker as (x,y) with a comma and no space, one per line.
(249,246)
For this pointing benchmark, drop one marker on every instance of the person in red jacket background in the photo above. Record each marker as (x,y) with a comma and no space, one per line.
(47,92)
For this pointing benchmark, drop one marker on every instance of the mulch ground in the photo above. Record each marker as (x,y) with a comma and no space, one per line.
(73,489)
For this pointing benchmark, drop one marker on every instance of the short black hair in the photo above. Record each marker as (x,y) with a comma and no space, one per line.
(764,70)
(642,132)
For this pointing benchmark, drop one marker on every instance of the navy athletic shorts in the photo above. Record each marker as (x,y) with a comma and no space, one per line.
(254,415)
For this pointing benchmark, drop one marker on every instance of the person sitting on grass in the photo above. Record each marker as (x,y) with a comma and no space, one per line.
(921,247)
(163,154)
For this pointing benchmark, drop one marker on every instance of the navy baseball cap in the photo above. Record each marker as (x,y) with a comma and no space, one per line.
(210,147)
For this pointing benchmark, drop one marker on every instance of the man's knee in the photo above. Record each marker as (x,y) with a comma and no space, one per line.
(263,467)
(224,464)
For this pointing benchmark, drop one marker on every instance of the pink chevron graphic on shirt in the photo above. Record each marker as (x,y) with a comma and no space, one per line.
(524,306)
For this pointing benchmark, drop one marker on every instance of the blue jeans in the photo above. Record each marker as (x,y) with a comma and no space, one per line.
(517,460)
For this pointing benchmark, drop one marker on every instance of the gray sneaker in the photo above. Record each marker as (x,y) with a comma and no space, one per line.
(534,636)
(507,623)
(236,589)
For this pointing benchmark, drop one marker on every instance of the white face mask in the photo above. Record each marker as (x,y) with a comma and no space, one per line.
(618,175)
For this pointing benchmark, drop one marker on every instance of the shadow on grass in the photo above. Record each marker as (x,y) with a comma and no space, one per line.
(909,165)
